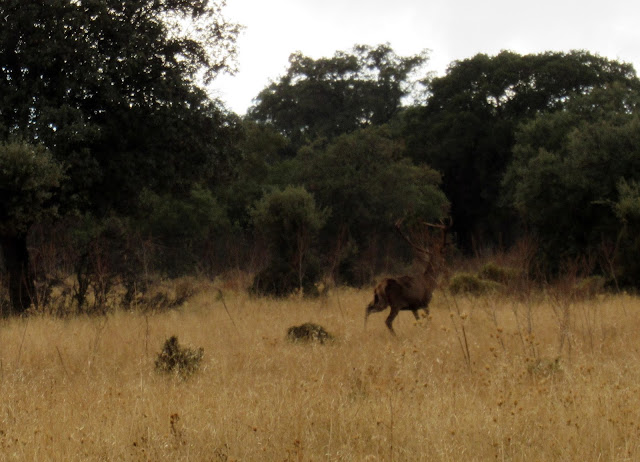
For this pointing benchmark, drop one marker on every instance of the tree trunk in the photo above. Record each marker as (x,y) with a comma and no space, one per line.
(16,260)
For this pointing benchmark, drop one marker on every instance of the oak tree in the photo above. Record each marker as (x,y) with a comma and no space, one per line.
(110,89)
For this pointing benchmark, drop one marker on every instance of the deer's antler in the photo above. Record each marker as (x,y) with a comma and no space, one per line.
(444,226)
(421,250)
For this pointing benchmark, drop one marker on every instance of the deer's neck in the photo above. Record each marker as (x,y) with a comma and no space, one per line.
(430,273)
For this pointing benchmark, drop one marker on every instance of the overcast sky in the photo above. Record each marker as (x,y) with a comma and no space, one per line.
(451,29)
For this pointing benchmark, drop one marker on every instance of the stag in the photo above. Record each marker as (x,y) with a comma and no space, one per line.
(411,293)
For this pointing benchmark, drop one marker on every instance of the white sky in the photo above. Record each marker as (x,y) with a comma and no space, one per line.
(451,29)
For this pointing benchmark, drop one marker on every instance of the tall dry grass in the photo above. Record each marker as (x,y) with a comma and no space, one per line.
(525,383)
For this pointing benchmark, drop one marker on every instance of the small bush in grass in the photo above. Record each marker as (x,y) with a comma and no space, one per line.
(308,332)
(466,283)
(175,358)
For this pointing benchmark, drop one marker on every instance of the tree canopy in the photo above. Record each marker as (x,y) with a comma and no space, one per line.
(466,128)
(109,89)
(572,167)
(327,97)
(366,182)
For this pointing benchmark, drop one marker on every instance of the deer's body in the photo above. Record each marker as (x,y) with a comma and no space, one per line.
(410,293)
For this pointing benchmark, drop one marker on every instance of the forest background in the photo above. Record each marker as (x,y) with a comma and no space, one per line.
(117,168)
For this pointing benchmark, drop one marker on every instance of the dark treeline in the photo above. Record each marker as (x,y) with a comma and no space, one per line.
(115,166)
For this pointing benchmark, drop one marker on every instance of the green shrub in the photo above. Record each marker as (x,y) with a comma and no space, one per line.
(493,272)
(289,221)
(466,283)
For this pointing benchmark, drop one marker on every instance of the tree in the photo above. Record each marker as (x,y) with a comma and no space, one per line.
(289,221)
(259,149)
(568,169)
(183,225)
(331,96)
(627,210)
(109,87)
(466,128)
(368,184)
(29,178)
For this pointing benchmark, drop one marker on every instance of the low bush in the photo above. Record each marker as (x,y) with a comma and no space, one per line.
(308,332)
(467,283)
(177,359)
(493,272)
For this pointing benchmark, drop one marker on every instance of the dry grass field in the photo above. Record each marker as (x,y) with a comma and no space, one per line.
(487,378)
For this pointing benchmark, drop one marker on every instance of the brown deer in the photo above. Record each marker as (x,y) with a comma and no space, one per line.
(411,292)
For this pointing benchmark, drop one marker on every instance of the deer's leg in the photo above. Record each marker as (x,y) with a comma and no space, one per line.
(390,318)
(416,313)
(426,305)
(375,306)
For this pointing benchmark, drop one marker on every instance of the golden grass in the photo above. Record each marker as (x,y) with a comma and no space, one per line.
(86,388)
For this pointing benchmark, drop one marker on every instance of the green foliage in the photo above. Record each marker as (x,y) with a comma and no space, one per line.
(493,272)
(118,133)
(29,179)
(289,221)
(260,149)
(367,183)
(627,210)
(467,128)
(183,226)
(109,88)
(567,170)
(331,96)
(190,219)
(283,214)
(471,284)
